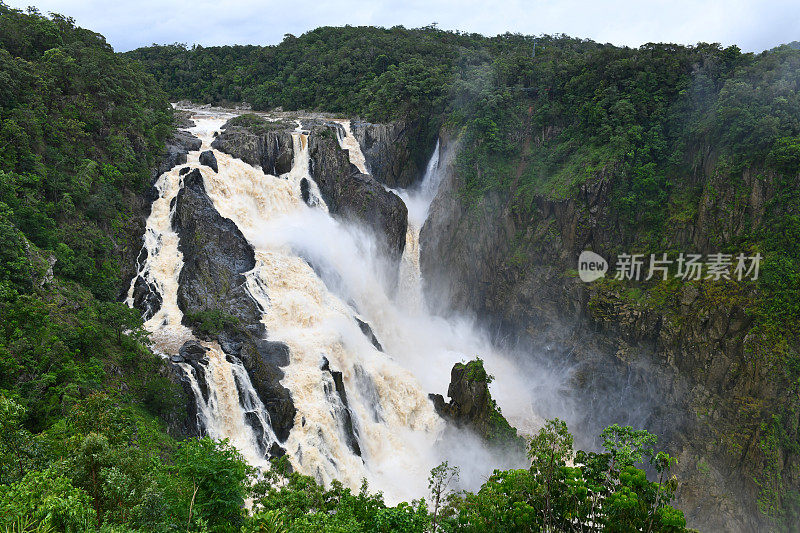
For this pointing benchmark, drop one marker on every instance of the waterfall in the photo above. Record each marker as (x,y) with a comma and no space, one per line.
(429,345)
(299,310)
(418,201)
(348,142)
(233,410)
(220,415)
(361,412)
(162,266)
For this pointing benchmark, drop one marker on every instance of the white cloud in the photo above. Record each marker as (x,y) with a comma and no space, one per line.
(752,25)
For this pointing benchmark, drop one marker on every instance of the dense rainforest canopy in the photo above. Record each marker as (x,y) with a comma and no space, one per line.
(83,444)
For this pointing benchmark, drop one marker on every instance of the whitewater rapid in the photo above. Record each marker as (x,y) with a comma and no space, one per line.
(399,435)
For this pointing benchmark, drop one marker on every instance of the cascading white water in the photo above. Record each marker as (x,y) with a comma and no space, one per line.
(418,202)
(425,344)
(231,398)
(348,142)
(300,311)
(398,432)
(221,414)
(162,266)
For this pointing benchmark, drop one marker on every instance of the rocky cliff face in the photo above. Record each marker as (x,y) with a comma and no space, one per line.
(391,151)
(212,287)
(348,193)
(355,196)
(690,353)
(263,144)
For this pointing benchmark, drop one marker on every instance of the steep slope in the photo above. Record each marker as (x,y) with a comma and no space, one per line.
(692,361)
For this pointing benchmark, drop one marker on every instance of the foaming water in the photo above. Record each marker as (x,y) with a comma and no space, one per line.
(396,435)
(222,414)
(348,142)
(230,399)
(425,344)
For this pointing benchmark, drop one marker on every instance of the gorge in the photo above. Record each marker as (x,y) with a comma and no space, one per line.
(334,286)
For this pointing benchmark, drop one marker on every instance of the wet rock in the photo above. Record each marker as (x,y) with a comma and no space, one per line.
(393,152)
(275,352)
(355,196)
(348,194)
(367,331)
(208,159)
(471,406)
(347,417)
(304,191)
(192,351)
(258,142)
(183,119)
(216,255)
(184,170)
(146,297)
(182,421)
(176,149)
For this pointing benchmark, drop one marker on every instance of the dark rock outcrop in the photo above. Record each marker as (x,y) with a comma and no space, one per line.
(369,334)
(177,147)
(395,153)
(192,351)
(259,143)
(208,159)
(471,406)
(346,418)
(146,297)
(183,119)
(216,256)
(355,196)
(183,421)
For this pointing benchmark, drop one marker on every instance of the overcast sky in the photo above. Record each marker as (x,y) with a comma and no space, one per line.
(751,24)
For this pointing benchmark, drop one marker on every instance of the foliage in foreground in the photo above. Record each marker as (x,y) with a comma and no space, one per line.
(108,467)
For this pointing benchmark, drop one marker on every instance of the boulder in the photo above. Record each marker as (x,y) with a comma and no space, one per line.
(208,159)
(192,351)
(395,153)
(175,151)
(355,196)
